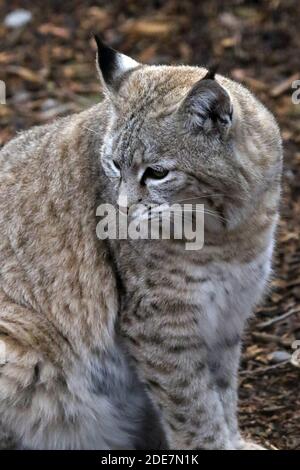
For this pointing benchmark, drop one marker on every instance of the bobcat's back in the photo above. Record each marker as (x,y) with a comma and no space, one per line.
(65,383)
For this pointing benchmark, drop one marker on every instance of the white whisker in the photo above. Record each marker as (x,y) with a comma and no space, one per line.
(91,130)
(198,197)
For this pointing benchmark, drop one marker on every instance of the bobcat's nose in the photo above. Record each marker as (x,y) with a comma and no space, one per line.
(126,199)
(125,209)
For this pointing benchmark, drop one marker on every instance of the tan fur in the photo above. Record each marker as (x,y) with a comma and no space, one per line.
(183,313)
(58,295)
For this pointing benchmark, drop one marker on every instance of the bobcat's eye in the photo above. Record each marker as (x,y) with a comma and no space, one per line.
(155,174)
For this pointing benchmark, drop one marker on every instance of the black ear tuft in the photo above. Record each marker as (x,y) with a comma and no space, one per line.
(211,72)
(107,60)
(112,64)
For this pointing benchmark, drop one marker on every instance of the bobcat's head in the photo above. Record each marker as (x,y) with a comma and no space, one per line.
(181,134)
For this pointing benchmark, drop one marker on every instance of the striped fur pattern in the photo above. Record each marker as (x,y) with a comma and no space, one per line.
(72,307)
(183,313)
(65,381)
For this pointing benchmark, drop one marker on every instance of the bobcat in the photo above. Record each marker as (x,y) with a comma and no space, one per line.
(123,344)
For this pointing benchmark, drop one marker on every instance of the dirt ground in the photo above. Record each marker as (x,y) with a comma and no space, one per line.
(48,67)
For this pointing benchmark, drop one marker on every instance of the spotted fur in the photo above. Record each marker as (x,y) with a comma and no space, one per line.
(183,312)
(72,306)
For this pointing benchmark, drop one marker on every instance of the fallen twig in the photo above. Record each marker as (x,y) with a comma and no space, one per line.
(284,86)
(267,338)
(263,370)
(286,315)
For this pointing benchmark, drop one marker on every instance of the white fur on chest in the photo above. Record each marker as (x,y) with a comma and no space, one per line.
(228,293)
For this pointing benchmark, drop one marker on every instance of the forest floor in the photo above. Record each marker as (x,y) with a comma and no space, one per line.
(48,68)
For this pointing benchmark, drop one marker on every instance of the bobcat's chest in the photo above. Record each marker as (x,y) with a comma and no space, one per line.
(227,293)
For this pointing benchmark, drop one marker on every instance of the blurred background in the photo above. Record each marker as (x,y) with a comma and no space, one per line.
(47,60)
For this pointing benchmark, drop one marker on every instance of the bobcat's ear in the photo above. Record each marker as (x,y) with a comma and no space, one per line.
(207,107)
(112,65)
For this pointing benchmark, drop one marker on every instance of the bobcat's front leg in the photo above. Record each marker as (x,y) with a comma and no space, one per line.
(224,364)
(174,365)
